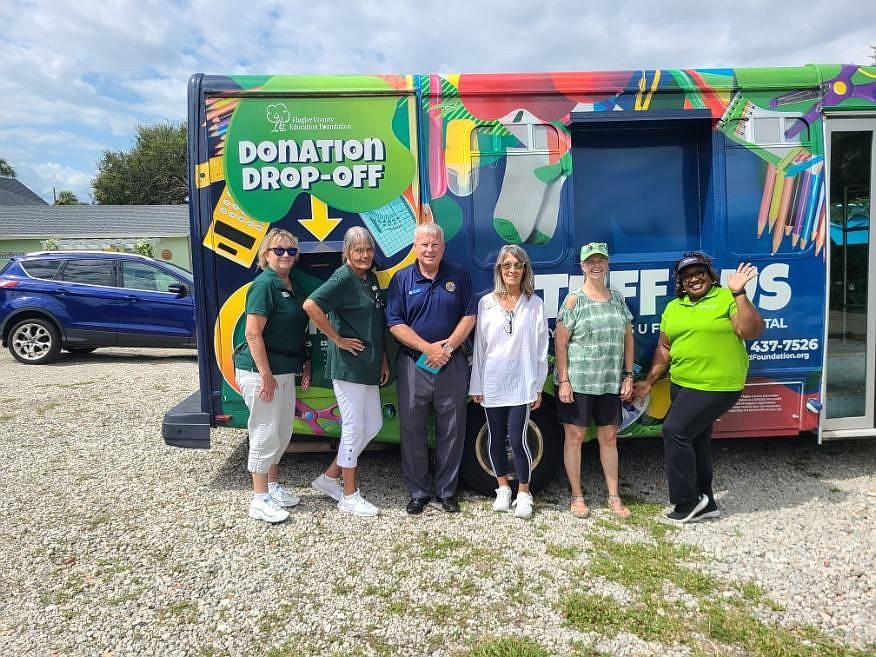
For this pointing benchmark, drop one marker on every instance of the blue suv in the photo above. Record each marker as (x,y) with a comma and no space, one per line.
(82,300)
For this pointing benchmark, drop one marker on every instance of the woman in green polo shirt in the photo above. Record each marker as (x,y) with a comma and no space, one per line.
(702,334)
(265,366)
(348,309)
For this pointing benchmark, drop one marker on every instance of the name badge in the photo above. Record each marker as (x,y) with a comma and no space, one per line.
(285,294)
(416,290)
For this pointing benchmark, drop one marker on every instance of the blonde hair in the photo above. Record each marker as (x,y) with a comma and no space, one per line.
(527,281)
(274,235)
(354,237)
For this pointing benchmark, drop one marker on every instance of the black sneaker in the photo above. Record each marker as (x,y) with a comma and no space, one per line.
(709,512)
(685,514)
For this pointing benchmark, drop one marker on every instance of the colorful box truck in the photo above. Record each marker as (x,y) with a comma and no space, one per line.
(769,165)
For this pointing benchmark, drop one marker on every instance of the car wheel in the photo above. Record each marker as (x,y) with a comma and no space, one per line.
(34,341)
(543,438)
(80,350)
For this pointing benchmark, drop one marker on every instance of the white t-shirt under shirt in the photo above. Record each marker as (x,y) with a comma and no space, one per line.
(509,369)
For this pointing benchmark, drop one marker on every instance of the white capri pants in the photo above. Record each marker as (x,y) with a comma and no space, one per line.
(361,418)
(270,423)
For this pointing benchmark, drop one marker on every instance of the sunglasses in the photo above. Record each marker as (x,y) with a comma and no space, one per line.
(288,250)
(516,266)
(509,321)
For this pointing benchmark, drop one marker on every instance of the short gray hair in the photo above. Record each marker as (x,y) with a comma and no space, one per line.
(354,237)
(431,229)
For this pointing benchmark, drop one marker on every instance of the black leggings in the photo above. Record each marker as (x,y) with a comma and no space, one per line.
(507,425)
(687,437)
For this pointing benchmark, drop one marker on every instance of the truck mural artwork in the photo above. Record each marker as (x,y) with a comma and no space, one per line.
(734,162)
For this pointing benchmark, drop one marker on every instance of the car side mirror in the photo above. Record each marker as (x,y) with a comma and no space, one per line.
(179,289)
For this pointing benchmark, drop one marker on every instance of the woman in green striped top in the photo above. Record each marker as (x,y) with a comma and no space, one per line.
(593,343)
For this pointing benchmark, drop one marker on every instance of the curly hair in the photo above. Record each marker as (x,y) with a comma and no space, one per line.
(703,259)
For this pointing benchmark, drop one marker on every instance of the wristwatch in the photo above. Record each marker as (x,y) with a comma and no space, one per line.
(446,347)
(739,293)
(626,374)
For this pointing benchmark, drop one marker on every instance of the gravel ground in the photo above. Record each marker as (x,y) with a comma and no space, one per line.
(114,544)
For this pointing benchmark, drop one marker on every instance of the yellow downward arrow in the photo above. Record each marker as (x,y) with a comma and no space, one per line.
(319,224)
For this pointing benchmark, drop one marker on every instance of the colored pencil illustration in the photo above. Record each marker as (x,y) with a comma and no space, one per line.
(812,202)
(765,200)
(800,207)
(782,217)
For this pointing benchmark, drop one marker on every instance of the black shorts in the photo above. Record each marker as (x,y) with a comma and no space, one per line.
(602,410)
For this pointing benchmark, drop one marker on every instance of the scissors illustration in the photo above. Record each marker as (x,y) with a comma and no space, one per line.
(311,416)
(832,92)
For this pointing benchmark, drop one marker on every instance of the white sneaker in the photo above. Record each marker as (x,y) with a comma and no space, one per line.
(357,505)
(266,508)
(328,486)
(523,505)
(282,496)
(503,499)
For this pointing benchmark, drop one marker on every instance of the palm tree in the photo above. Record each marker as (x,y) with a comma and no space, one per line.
(6,169)
(66,197)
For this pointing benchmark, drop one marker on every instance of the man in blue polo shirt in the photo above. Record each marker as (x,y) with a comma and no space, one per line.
(431,310)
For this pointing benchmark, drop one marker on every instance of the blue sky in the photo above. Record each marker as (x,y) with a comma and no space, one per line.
(76,78)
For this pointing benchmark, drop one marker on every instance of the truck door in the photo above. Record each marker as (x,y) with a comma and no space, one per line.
(850,364)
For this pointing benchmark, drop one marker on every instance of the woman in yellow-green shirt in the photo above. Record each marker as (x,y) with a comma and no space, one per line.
(702,334)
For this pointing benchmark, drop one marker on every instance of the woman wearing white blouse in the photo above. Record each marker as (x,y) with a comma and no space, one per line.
(509,369)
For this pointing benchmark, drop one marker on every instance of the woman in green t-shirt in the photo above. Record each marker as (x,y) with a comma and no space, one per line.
(265,367)
(702,333)
(348,309)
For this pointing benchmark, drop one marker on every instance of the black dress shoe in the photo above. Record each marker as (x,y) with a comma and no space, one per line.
(416,505)
(449,504)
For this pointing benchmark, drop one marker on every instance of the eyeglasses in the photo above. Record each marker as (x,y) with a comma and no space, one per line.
(516,266)
(692,272)
(509,321)
(288,250)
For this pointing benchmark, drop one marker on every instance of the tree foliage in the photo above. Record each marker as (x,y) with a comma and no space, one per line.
(153,172)
(6,169)
(66,197)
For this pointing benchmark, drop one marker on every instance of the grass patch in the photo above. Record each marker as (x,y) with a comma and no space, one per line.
(443,548)
(655,620)
(581,649)
(647,567)
(735,626)
(706,622)
(560,551)
(506,647)
(184,611)
(97,520)
(45,408)
(73,586)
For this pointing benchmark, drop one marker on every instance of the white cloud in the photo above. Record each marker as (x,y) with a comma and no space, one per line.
(77,78)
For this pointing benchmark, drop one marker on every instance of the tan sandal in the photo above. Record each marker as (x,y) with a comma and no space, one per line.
(616,506)
(579,508)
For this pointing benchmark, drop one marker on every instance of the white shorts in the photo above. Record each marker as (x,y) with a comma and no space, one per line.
(270,423)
